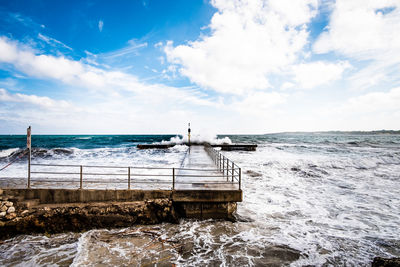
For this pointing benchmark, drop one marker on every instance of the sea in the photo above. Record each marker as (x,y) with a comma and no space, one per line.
(309,199)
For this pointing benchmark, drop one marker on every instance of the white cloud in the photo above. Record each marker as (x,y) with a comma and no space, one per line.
(313,74)
(287,85)
(258,103)
(249,40)
(38,101)
(374,102)
(116,100)
(370,111)
(69,71)
(101,24)
(159,111)
(365,31)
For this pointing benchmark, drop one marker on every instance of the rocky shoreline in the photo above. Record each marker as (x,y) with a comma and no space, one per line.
(24,217)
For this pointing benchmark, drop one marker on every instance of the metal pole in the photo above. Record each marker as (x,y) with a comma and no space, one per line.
(233,171)
(173,178)
(227,169)
(223,165)
(29,168)
(81,178)
(240,178)
(129,177)
(28,145)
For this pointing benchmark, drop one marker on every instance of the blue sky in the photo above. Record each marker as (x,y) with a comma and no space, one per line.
(96,67)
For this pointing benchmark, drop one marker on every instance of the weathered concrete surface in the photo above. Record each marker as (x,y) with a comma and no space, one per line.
(209,210)
(50,196)
(207,196)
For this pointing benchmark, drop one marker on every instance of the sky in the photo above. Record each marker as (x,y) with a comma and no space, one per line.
(225,66)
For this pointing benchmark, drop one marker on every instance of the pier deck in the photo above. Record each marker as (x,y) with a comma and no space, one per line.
(208,178)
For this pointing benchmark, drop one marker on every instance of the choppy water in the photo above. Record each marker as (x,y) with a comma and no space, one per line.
(309,199)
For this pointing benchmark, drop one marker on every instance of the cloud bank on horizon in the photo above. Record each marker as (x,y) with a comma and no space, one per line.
(226,66)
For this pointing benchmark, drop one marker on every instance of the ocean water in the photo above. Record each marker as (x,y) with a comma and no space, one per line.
(319,199)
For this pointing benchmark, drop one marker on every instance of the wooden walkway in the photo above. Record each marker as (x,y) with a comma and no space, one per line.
(200,173)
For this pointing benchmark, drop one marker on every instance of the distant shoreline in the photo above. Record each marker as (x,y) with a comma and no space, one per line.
(344,132)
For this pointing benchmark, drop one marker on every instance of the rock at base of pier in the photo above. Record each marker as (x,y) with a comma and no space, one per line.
(55,218)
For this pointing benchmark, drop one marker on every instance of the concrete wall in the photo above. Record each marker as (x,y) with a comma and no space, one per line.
(207,196)
(53,196)
(201,204)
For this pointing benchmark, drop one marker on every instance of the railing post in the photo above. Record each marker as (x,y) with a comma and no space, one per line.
(233,171)
(240,178)
(129,177)
(173,178)
(29,147)
(227,169)
(81,178)
(223,166)
(29,168)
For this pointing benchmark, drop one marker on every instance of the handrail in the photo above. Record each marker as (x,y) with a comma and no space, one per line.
(100,166)
(226,166)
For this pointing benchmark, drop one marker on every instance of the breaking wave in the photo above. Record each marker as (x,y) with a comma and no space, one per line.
(198,139)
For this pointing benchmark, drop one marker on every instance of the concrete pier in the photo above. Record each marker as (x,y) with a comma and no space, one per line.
(212,195)
(203,187)
(200,173)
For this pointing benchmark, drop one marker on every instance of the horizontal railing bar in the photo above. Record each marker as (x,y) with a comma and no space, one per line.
(207,183)
(123,182)
(53,181)
(56,172)
(88,173)
(188,175)
(98,181)
(120,167)
(190,169)
(132,174)
(101,166)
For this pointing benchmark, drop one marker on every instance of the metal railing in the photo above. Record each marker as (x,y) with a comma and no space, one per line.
(86,174)
(229,169)
(128,175)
